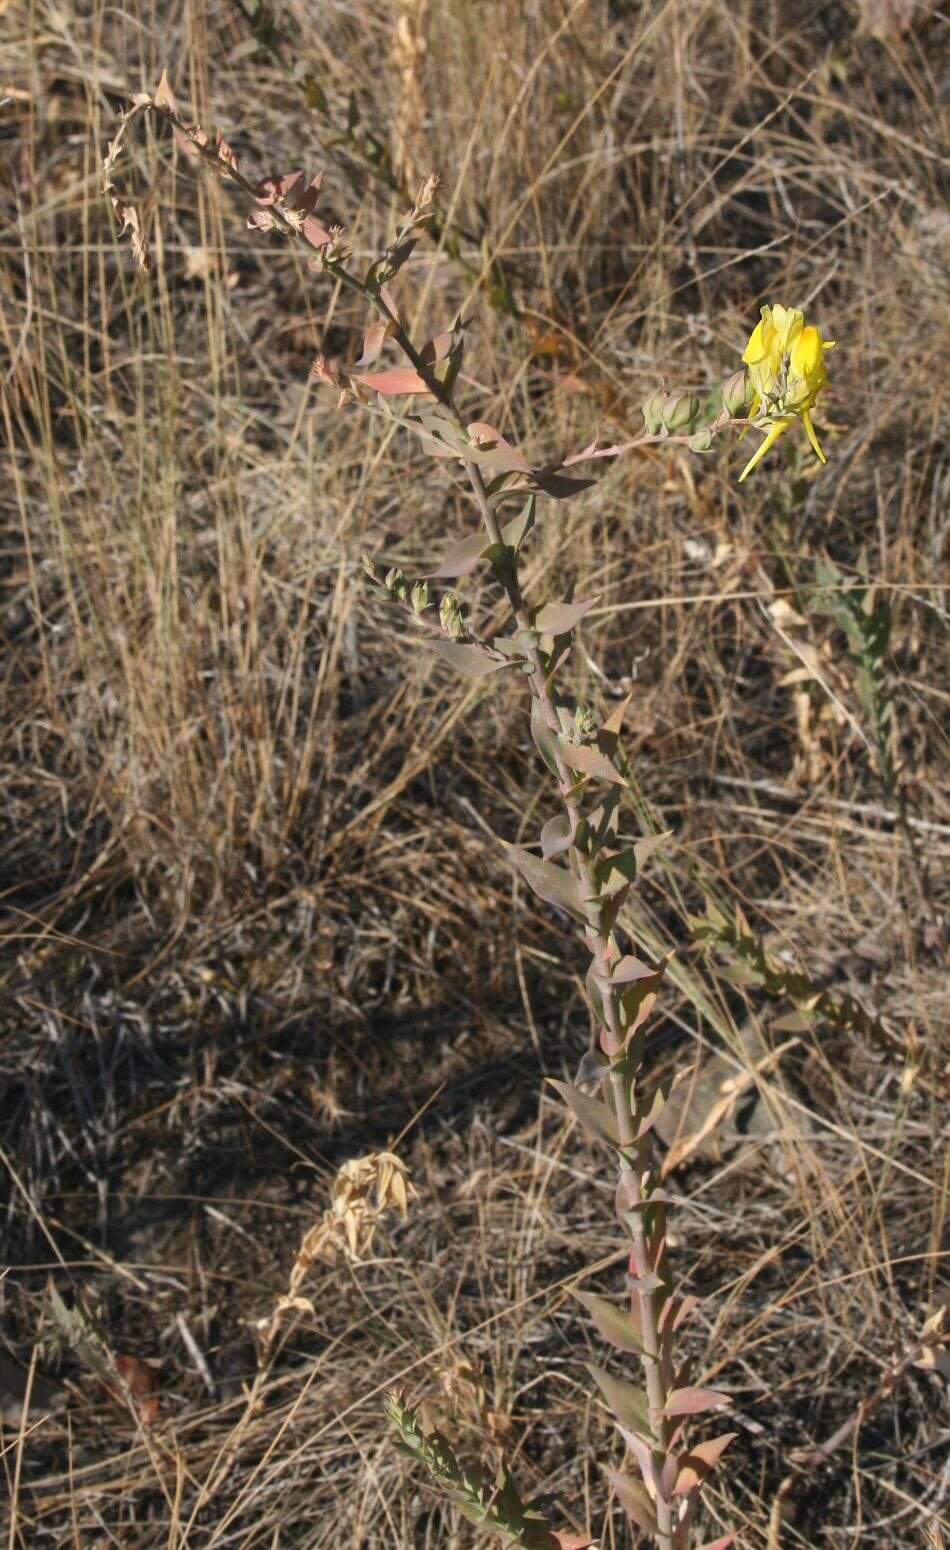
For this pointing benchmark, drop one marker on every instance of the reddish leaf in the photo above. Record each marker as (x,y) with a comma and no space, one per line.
(400,379)
(315,234)
(269,190)
(634,1498)
(142,1385)
(566,1540)
(691,1401)
(628,969)
(493,451)
(373,340)
(164,95)
(719,1544)
(700,1461)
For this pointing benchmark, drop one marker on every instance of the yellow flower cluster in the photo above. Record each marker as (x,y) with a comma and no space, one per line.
(785,360)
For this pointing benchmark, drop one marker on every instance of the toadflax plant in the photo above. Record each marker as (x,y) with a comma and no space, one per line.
(583,864)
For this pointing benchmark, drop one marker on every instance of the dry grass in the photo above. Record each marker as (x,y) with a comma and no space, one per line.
(253,925)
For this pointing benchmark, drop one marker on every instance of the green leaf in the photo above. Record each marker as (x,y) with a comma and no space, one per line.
(594,1116)
(612,1324)
(553,883)
(634,1498)
(473,661)
(627,1402)
(544,739)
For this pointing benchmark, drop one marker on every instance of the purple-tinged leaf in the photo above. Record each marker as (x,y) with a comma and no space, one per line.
(398,380)
(272,190)
(612,1323)
(439,348)
(373,340)
(720,1544)
(588,760)
(700,1461)
(692,1401)
(491,450)
(594,1116)
(628,969)
(627,1402)
(315,234)
(470,660)
(555,836)
(559,618)
(553,883)
(634,1498)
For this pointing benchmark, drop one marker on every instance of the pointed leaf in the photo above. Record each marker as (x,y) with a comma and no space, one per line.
(566,1539)
(627,1402)
(628,969)
(373,340)
(557,486)
(700,1461)
(555,836)
(719,1544)
(470,660)
(553,883)
(588,760)
(399,379)
(559,618)
(463,557)
(634,1498)
(594,1116)
(691,1401)
(612,1323)
(491,450)
(545,740)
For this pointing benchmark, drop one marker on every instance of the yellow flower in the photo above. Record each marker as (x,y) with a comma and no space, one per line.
(786,366)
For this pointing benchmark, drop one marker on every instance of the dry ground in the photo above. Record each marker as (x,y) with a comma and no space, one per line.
(253,922)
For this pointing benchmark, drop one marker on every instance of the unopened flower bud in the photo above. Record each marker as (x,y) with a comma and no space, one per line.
(701,441)
(652,411)
(368,564)
(585,725)
(737,394)
(679,410)
(420,597)
(396,583)
(450,616)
